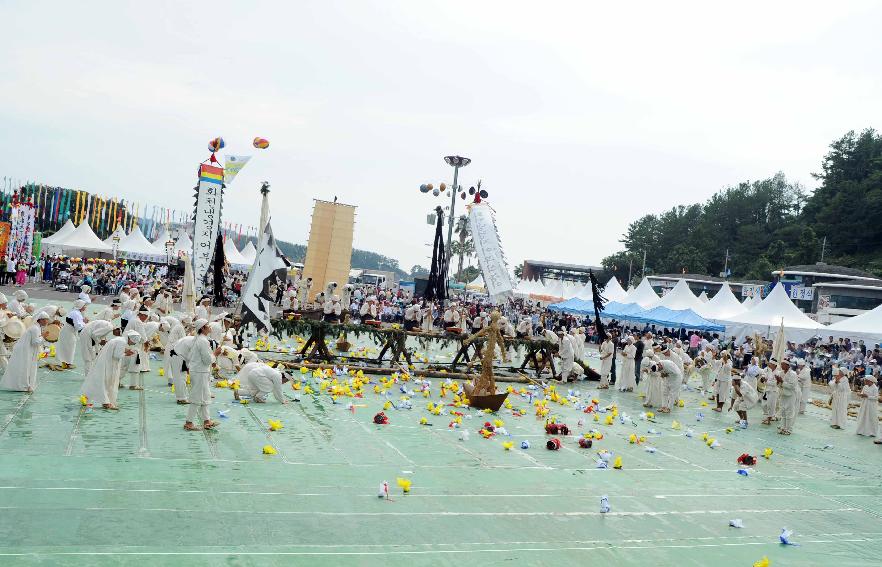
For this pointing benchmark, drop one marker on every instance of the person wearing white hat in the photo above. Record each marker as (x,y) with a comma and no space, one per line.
(805,383)
(90,339)
(257,380)
(21,372)
(67,340)
(19,304)
(203,310)
(84,294)
(768,379)
(174,333)
(673,379)
(868,415)
(140,360)
(628,381)
(744,397)
(606,359)
(177,365)
(839,398)
(112,311)
(164,302)
(788,384)
(101,385)
(199,361)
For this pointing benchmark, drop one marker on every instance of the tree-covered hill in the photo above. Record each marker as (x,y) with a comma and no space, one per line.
(771,223)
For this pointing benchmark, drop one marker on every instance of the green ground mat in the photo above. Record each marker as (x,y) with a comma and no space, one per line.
(102,488)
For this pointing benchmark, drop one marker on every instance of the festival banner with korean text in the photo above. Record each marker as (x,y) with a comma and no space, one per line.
(489,251)
(206,221)
(4,238)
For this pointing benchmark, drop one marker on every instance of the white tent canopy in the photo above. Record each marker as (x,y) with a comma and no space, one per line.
(866,326)
(184,245)
(120,232)
(161,238)
(61,234)
(766,318)
(643,295)
(249,252)
(233,256)
(679,298)
(703,297)
(585,293)
(136,245)
(723,305)
(554,288)
(613,291)
(82,238)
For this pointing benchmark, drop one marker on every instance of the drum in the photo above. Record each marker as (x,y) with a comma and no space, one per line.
(52,332)
(28,321)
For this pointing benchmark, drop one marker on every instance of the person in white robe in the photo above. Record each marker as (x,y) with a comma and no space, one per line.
(788,397)
(139,361)
(90,343)
(67,339)
(673,379)
(4,318)
(258,381)
(804,375)
(84,294)
(19,304)
(868,415)
(707,370)
(176,332)
(21,371)
(769,383)
(101,384)
(568,368)
(628,381)
(840,395)
(178,355)
(655,388)
(203,310)
(744,398)
(451,316)
(752,373)
(199,361)
(164,305)
(111,312)
(525,328)
(723,381)
(606,359)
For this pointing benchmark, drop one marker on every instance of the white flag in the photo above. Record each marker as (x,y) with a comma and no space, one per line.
(268,273)
(232,166)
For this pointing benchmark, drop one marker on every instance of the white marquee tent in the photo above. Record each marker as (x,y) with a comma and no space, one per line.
(767,317)
(61,234)
(120,232)
(703,297)
(249,252)
(643,295)
(234,257)
(184,245)
(866,326)
(82,238)
(612,292)
(679,298)
(136,246)
(723,305)
(161,238)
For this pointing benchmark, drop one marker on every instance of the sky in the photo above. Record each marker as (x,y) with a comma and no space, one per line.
(578,117)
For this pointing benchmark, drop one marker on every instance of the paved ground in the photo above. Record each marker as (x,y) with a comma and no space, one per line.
(100,488)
